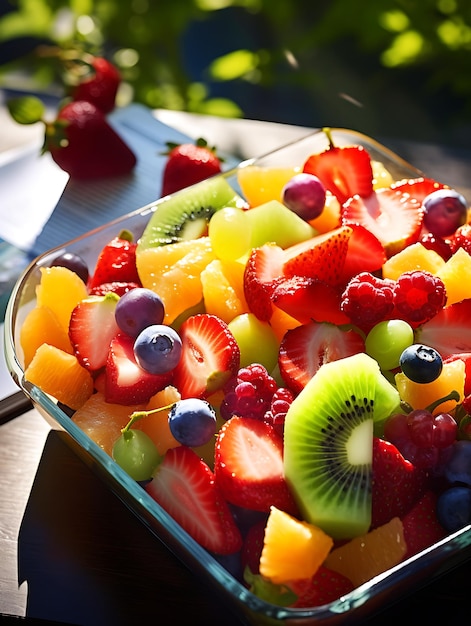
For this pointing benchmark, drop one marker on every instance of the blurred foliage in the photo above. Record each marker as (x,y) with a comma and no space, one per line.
(397,67)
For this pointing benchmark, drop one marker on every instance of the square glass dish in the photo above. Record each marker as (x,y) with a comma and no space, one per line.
(362,602)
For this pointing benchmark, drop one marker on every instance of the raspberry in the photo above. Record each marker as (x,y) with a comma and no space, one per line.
(249,394)
(279,406)
(418,296)
(367,300)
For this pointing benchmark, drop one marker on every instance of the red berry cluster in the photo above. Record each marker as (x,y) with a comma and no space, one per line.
(415,297)
(255,394)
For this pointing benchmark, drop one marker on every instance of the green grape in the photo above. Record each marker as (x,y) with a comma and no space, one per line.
(136,453)
(386,342)
(256,339)
(229,233)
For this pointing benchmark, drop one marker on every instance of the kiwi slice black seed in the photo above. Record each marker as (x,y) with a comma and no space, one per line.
(328,443)
(185,215)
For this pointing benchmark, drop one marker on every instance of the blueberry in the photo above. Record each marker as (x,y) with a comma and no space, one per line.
(421,364)
(192,422)
(158,349)
(458,467)
(454,508)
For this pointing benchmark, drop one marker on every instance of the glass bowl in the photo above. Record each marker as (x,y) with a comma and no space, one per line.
(365,600)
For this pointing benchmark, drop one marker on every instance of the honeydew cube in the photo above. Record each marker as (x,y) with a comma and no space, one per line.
(273,222)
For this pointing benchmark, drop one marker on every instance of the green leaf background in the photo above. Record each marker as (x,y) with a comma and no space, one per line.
(395,68)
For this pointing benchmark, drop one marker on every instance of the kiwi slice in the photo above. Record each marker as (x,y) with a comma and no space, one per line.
(185,214)
(328,443)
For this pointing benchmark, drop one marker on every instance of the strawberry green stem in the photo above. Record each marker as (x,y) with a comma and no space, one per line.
(127,235)
(328,133)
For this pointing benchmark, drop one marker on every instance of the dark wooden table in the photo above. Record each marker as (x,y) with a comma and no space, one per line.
(72,553)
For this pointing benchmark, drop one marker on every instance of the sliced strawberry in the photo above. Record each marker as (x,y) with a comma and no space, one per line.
(117,287)
(308,299)
(392,215)
(92,326)
(304,349)
(344,171)
(184,486)
(126,382)
(365,253)
(253,546)
(210,356)
(321,257)
(116,262)
(449,331)
(461,239)
(264,266)
(397,484)
(418,188)
(248,466)
(324,587)
(421,526)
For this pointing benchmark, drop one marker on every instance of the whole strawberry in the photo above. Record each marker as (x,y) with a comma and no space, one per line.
(99,84)
(84,75)
(187,164)
(79,139)
(83,144)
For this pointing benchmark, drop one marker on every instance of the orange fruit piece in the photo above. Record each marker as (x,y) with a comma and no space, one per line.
(454,274)
(60,375)
(156,424)
(414,257)
(223,289)
(42,326)
(173,272)
(421,395)
(102,421)
(329,219)
(260,184)
(281,322)
(61,290)
(292,549)
(364,557)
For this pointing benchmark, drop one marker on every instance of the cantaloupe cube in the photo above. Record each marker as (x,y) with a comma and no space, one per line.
(156,424)
(456,274)
(102,421)
(364,557)
(223,289)
(60,375)
(421,395)
(292,549)
(414,257)
(42,326)
(173,272)
(61,290)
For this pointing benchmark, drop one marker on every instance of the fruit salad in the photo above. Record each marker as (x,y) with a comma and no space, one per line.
(281,363)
